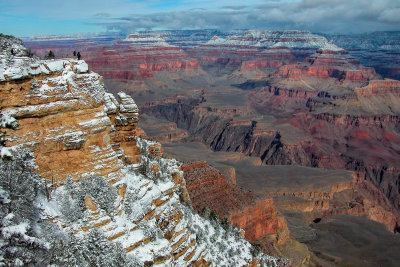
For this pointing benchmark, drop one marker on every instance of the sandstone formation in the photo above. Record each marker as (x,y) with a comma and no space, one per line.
(208,188)
(64,113)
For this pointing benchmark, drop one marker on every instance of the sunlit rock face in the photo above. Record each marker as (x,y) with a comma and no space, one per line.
(64,115)
(208,188)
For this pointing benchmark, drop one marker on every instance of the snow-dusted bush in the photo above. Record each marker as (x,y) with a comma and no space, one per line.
(26,240)
(144,167)
(70,201)
(71,197)
(70,208)
(101,191)
(92,250)
(21,184)
(227,246)
(19,189)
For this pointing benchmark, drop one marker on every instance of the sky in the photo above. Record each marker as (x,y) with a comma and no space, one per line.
(24,18)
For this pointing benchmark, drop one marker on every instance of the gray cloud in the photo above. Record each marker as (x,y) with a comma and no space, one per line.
(329,16)
(102,15)
(197,9)
(234,7)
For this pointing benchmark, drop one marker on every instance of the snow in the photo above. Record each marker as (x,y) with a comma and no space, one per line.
(110,103)
(36,110)
(7,121)
(19,229)
(16,72)
(81,67)
(166,186)
(6,152)
(55,65)
(51,207)
(216,40)
(43,69)
(103,121)
(5,198)
(149,41)
(275,39)
(127,103)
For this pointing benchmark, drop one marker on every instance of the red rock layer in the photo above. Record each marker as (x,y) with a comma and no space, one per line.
(207,187)
(380,87)
(260,220)
(133,62)
(328,64)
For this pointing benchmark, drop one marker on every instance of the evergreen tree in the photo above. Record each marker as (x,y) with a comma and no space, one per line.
(103,252)
(50,55)
(101,191)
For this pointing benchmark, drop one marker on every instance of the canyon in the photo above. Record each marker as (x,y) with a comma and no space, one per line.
(99,177)
(296,130)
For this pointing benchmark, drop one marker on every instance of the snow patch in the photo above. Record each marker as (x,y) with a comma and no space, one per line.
(55,65)
(6,152)
(81,67)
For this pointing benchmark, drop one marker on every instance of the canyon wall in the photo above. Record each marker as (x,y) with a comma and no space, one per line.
(208,188)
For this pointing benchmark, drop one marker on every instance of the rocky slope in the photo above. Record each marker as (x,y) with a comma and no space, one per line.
(80,136)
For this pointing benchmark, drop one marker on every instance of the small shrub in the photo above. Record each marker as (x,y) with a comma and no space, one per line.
(103,193)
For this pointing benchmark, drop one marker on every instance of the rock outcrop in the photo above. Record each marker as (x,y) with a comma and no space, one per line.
(379,50)
(59,106)
(259,218)
(329,64)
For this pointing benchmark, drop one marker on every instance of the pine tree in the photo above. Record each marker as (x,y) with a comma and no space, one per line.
(50,55)
(101,191)
(102,251)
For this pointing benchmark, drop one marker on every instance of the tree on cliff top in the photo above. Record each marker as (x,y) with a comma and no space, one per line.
(50,55)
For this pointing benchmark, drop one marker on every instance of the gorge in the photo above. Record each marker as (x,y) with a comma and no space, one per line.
(288,135)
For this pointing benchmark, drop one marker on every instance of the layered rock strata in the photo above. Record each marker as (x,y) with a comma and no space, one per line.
(208,188)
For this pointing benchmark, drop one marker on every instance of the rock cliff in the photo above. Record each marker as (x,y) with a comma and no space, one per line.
(208,188)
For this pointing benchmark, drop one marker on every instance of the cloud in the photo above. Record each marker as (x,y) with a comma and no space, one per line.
(391,15)
(197,9)
(127,16)
(102,15)
(234,7)
(343,16)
